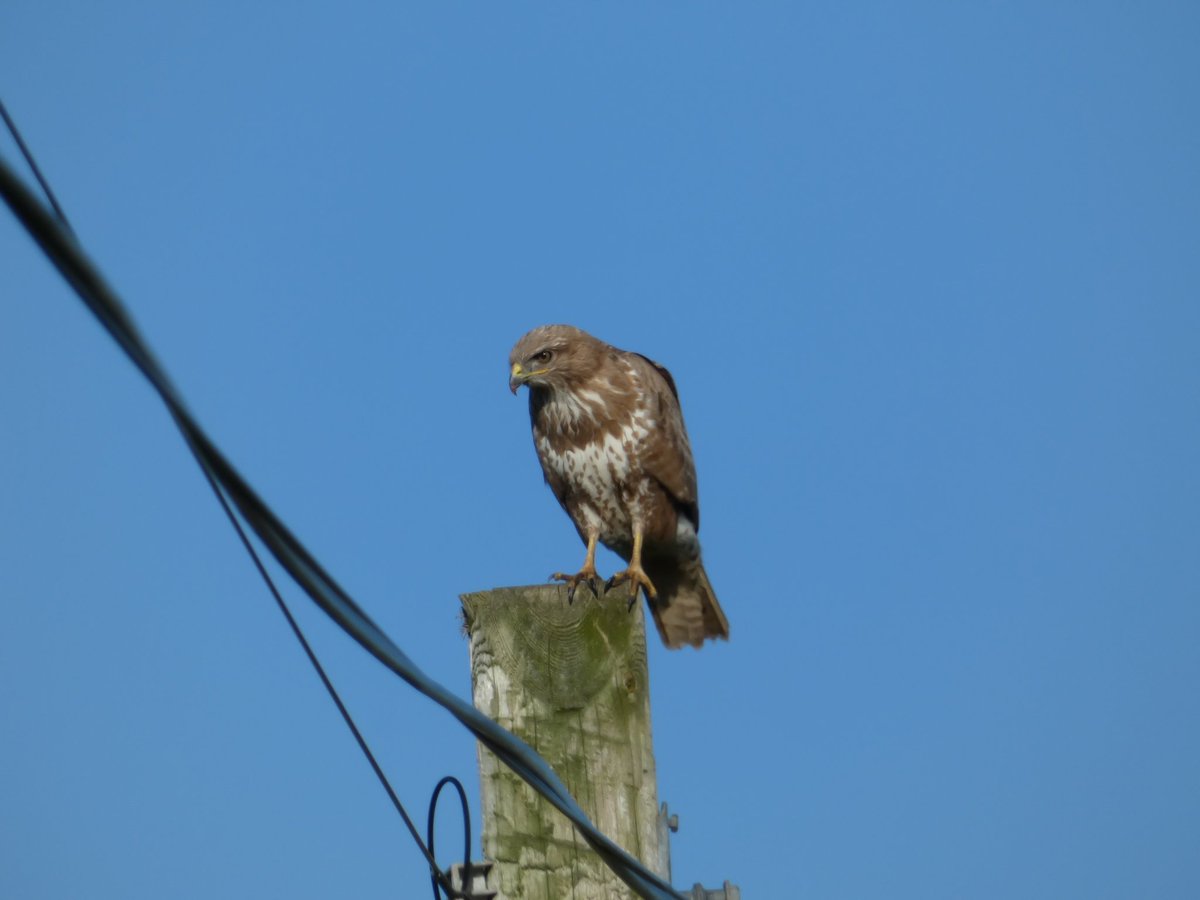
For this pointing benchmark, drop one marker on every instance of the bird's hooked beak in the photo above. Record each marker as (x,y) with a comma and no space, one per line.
(518,376)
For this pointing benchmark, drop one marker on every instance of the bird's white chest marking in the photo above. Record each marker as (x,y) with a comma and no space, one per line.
(595,473)
(603,472)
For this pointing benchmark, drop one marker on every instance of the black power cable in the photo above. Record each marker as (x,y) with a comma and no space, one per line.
(439,879)
(85,278)
(33,167)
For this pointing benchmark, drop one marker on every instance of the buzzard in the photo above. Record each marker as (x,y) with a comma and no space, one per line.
(610,437)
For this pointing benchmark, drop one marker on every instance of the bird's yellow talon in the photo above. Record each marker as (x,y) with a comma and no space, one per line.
(638,578)
(587,575)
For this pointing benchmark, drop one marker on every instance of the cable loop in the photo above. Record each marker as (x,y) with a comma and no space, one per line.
(466,815)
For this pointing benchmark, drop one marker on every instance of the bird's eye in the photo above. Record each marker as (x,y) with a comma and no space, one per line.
(542,356)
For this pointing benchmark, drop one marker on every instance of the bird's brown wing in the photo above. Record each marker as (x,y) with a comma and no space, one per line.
(667,455)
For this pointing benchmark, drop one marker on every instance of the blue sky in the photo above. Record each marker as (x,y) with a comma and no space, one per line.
(926,276)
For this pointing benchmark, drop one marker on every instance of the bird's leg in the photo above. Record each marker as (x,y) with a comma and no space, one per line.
(635,573)
(587,574)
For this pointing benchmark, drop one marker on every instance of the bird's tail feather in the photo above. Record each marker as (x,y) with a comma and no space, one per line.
(686,610)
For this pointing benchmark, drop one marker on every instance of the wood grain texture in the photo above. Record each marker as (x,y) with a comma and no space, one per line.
(572,681)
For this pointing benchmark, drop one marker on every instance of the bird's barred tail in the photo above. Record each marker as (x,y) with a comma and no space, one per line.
(686,610)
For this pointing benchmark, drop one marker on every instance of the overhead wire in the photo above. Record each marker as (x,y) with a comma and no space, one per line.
(33,166)
(74,265)
(439,878)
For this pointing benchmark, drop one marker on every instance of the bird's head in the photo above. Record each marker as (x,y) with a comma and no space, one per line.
(555,357)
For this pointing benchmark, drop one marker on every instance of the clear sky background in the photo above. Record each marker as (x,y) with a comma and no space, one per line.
(927,276)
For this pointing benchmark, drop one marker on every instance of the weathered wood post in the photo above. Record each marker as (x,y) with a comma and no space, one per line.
(571,680)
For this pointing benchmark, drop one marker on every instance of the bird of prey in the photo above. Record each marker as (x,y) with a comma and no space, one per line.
(610,437)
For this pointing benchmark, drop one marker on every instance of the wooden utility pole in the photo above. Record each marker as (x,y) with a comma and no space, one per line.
(570,680)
